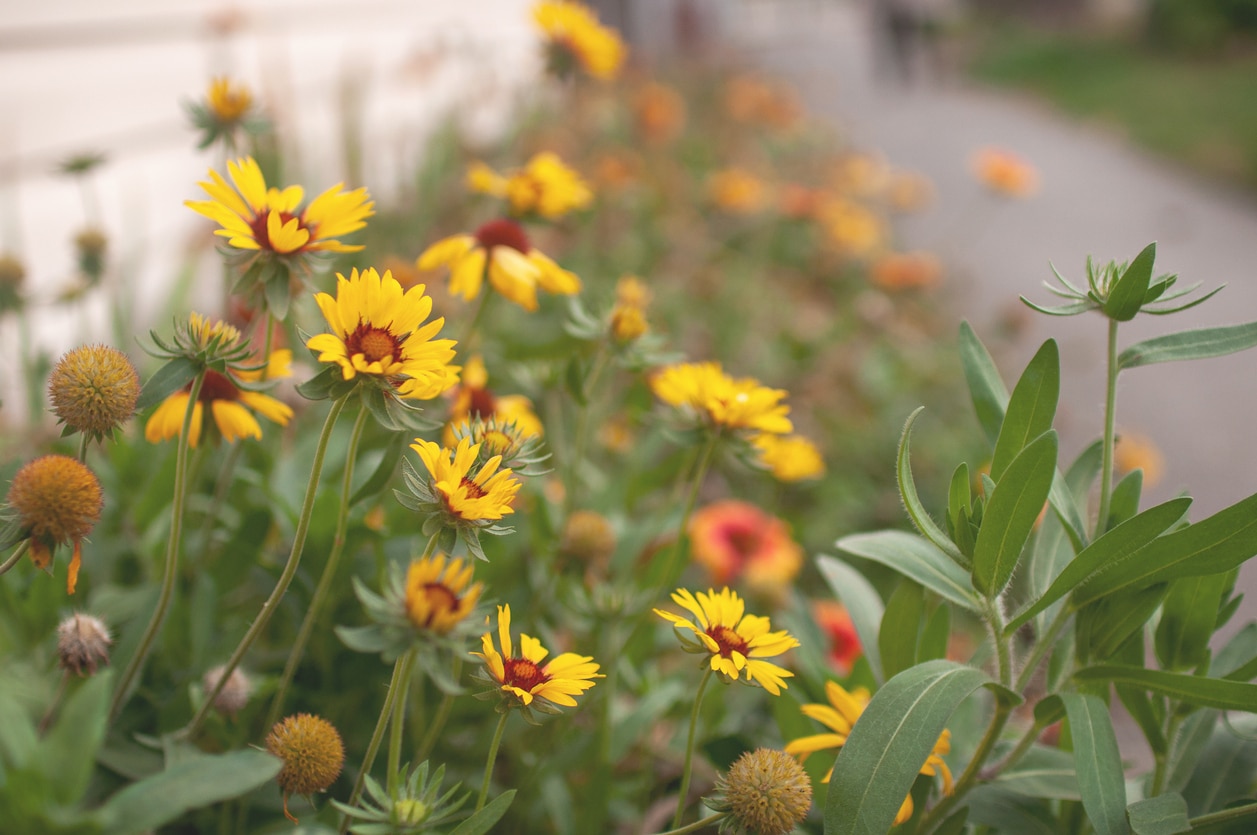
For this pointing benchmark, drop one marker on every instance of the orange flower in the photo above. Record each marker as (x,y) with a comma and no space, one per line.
(1005,173)
(844,643)
(733,539)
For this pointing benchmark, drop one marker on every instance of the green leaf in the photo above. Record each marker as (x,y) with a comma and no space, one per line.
(1100,780)
(1223,541)
(863,603)
(482,821)
(168,379)
(1011,512)
(1031,409)
(67,755)
(1119,543)
(158,800)
(1165,814)
(901,628)
(1197,690)
(908,491)
(1127,295)
(1187,620)
(986,388)
(1190,345)
(914,557)
(887,747)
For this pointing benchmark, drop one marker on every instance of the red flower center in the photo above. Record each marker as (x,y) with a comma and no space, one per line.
(373,343)
(503,233)
(216,387)
(522,673)
(728,640)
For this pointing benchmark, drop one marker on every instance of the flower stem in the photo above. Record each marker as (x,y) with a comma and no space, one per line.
(1110,422)
(488,766)
(329,574)
(377,736)
(285,578)
(698,825)
(675,564)
(689,750)
(136,663)
(18,553)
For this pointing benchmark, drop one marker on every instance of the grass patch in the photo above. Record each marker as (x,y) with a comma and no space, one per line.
(1202,112)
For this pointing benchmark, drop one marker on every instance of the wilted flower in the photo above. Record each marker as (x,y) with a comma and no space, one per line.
(58,501)
(544,187)
(93,390)
(735,540)
(844,642)
(575,38)
(523,680)
(1005,173)
(82,643)
(734,641)
(721,401)
(840,716)
(789,457)
(766,792)
(312,752)
(501,249)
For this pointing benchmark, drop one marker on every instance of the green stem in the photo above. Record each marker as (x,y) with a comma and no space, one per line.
(698,825)
(689,750)
(15,557)
(671,568)
(377,736)
(970,776)
(442,716)
(488,766)
(398,722)
(315,609)
(136,663)
(285,578)
(1042,645)
(1110,422)
(1225,816)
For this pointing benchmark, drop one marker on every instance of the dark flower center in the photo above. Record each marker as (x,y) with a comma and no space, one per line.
(728,640)
(373,343)
(503,233)
(522,673)
(217,387)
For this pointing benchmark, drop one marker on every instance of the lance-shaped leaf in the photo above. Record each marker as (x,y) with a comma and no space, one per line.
(889,744)
(1031,408)
(1010,513)
(1190,345)
(1100,780)
(1223,541)
(908,491)
(986,388)
(1116,545)
(914,557)
(863,603)
(1197,690)
(1128,293)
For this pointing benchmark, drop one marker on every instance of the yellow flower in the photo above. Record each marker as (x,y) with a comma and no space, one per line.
(439,593)
(485,494)
(1005,173)
(227,402)
(58,500)
(789,457)
(515,269)
(378,331)
(524,678)
(840,716)
(736,641)
(545,186)
(736,191)
(722,400)
(575,36)
(474,400)
(254,217)
(227,101)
